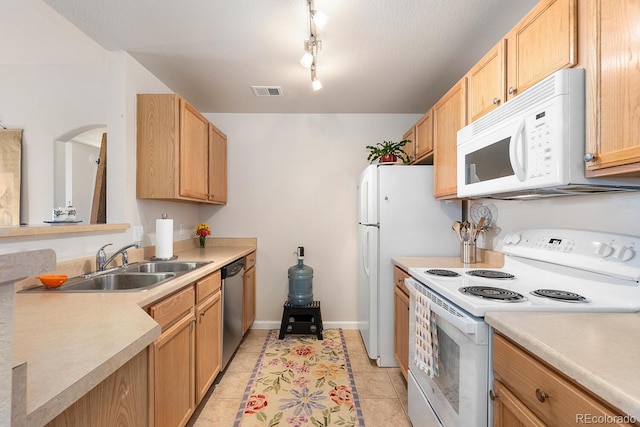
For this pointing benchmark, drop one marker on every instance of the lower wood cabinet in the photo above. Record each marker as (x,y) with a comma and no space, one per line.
(119,400)
(172,361)
(527,392)
(401,320)
(208,334)
(249,292)
(186,358)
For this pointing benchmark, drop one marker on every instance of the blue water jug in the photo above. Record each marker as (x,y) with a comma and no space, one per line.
(300,282)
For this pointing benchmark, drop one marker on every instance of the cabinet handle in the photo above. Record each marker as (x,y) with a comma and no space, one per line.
(512,90)
(492,395)
(541,395)
(496,101)
(589,157)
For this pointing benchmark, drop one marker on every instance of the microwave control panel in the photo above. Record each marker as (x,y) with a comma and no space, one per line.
(540,146)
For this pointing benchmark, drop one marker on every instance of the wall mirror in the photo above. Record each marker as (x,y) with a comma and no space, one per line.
(80,173)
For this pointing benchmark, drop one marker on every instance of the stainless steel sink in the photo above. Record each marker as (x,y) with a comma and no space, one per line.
(136,277)
(164,267)
(116,282)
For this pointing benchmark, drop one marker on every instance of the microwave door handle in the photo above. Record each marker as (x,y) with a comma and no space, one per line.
(516,139)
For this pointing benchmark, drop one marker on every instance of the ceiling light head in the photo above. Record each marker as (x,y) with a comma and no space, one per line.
(306,60)
(315,83)
(320,19)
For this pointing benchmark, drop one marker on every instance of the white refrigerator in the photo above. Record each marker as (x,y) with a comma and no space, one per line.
(397,217)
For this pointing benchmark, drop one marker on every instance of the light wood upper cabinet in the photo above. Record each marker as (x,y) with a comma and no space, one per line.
(486,82)
(174,152)
(410,148)
(544,41)
(449,116)
(217,165)
(194,140)
(613,83)
(424,138)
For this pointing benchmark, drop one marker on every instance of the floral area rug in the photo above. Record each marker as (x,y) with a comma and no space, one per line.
(301,381)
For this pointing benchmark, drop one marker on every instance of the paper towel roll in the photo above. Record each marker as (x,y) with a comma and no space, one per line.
(164,238)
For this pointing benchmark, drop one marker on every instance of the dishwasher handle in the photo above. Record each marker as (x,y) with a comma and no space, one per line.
(233,269)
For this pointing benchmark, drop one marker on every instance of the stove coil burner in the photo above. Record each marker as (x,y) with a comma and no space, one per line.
(559,295)
(442,273)
(490,274)
(492,293)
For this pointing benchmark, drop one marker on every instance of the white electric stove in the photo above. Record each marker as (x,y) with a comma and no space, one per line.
(544,270)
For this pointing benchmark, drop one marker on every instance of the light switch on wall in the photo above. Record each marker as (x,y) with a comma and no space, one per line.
(138,233)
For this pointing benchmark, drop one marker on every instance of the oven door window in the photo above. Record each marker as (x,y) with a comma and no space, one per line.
(448,380)
(487,163)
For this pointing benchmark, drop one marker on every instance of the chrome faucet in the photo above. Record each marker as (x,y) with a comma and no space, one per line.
(101,257)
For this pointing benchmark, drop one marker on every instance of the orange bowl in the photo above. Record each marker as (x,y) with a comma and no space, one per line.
(53,280)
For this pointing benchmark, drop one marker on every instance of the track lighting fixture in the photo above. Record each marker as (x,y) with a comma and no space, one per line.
(313,45)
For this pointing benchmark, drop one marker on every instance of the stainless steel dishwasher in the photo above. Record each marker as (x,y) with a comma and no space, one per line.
(232,303)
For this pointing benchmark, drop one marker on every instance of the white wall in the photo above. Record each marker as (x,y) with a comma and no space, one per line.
(292,182)
(54,79)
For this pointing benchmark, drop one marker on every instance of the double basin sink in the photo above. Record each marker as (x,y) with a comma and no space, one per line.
(135,277)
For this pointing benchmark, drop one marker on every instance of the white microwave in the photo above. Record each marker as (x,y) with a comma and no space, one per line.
(532,146)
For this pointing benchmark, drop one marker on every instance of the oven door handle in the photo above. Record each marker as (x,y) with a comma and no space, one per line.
(464,323)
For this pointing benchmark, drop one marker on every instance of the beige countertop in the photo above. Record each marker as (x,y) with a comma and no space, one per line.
(488,259)
(599,351)
(73,341)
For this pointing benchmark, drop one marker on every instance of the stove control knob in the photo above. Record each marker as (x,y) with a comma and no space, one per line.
(624,254)
(512,239)
(603,250)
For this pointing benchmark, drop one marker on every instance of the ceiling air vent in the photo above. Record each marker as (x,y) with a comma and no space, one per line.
(267,90)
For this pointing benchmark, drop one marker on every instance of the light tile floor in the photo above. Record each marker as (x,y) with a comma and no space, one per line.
(382,391)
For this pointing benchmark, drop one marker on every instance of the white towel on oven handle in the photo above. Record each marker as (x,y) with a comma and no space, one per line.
(426,338)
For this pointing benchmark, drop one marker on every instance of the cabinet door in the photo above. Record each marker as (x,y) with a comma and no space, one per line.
(508,411)
(119,400)
(157,120)
(449,116)
(208,343)
(401,329)
(613,82)
(173,374)
(543,42)
(194,141)
(217,165)
(424,135)
(249,305)
(486,82)
(410,148)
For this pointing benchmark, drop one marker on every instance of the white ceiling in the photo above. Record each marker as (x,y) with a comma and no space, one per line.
(378,56)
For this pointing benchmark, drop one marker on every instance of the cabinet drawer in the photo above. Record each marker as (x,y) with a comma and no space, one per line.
(250,261)
(545,392)
(208,285)
(398,278)
(169,310)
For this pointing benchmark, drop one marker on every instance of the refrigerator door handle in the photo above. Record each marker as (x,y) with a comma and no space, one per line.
(365,253)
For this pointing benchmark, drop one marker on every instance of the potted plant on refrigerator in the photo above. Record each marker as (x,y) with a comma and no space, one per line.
(389,152)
